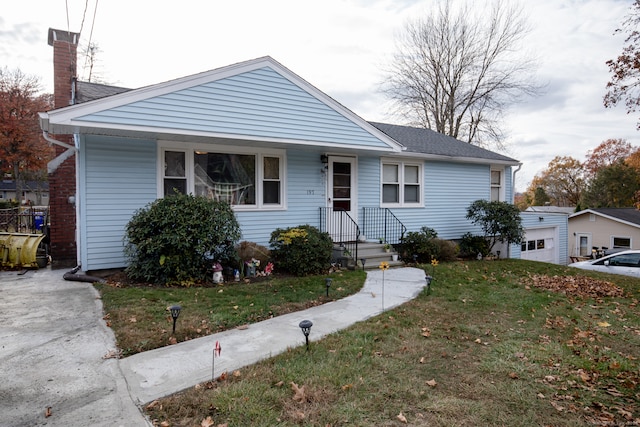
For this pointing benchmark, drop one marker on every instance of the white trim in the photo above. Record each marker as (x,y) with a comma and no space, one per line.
(190,148)
(501,186)
(401,163)
(67,115)
(612,218)
(612,246)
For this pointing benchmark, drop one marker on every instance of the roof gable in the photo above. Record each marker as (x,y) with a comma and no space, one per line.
(257,100)
(629,216)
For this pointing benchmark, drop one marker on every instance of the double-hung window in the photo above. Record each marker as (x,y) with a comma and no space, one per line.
(497,193)
(244,179)
(401,183)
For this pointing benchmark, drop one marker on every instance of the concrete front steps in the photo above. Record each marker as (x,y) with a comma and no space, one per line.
(374,254)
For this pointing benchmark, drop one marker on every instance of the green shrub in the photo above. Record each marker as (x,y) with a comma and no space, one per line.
(426,246)
(301,250)
(471,245)
(175,240)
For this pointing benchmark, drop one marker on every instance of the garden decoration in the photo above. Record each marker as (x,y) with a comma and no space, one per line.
(383,266)
(306,325)
(431,277)
(217,349)
(175,312)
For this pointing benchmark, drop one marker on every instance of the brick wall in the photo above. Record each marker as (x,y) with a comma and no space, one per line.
(62,182)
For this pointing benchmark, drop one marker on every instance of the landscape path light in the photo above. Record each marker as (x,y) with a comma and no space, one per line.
(327,283)
(363,261)
(306,325)
(175,312)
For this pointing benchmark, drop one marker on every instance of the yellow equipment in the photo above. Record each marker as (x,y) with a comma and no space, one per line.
(19,249)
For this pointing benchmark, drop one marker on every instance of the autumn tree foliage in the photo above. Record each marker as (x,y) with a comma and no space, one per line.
(457,71)
(624,86)
(23,151)
(560,184)
(606,154)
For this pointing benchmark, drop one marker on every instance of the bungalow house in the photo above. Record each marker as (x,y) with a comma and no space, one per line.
(258,136)
(604,228)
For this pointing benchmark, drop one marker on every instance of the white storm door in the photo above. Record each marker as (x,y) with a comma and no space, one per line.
(341,198)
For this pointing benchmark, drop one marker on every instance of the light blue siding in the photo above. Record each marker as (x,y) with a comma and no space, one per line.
(531,220)
(260,103)
(305,185)
(118,176)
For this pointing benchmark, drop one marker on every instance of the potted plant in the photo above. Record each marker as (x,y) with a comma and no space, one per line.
(387,247)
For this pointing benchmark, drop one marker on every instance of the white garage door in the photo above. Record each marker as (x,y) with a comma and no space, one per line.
(540,245)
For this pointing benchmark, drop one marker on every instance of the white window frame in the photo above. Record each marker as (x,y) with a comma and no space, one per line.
(612,246)
(500,186)
(190,149)
(401,164)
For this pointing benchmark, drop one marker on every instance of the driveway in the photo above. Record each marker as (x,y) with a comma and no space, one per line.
(54,364)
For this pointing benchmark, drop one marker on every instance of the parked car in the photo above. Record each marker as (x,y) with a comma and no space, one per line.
(626,263)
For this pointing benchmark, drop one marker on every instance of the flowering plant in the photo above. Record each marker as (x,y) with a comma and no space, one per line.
(268,269)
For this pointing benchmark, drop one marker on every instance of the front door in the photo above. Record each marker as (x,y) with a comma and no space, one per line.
(341,198)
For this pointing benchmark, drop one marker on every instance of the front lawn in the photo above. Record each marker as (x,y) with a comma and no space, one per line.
(499,343)
(139,317)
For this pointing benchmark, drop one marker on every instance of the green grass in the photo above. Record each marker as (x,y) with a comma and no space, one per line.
(486,347)
(141,321)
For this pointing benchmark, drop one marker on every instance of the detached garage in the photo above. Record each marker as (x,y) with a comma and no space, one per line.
(545,238)
(540,245)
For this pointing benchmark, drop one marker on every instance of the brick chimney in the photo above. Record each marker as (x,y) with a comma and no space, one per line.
(62,181)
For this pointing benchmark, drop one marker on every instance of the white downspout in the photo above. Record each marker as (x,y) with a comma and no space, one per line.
(54,164)
(513,195)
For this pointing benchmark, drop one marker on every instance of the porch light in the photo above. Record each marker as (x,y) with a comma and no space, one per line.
(324,159)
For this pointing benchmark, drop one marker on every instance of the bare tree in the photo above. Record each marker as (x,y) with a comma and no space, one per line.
(456,71)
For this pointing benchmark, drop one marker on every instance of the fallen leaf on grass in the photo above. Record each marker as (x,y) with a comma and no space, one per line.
(173,340)
(243,327)
(165,424)
(402,418)
(153,405)
(604,324)
(432,383)
(513,375)
(133,320)
(298,392)
(207,422)
(347,387)
(558,407)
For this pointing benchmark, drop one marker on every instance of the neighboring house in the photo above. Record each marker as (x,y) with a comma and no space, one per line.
(279,150)
(604,228)
(33,192)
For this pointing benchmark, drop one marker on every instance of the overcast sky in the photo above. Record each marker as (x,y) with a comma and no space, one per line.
(339,46)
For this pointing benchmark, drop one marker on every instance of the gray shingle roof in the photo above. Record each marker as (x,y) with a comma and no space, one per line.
(87,91)
(427,141)
(631,215)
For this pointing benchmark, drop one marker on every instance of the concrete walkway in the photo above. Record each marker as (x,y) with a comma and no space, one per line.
(157,373)
(53,344)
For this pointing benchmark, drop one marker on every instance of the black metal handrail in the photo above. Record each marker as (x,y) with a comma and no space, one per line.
(342,228)
(381,223)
